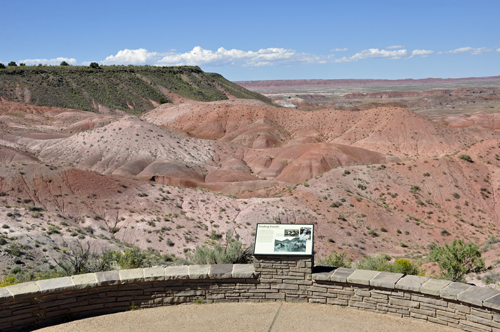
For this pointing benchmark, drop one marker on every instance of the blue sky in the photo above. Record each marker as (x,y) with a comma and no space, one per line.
(260,40)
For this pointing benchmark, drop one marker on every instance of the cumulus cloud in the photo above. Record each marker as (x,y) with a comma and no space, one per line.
(53,62)
(471,50)
(262,57)
(134,57)
(394,47)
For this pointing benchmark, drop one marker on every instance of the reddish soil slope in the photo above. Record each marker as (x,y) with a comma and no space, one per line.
(382,179)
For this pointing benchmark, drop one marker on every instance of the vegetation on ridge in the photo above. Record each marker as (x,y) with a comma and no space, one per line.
(133,89)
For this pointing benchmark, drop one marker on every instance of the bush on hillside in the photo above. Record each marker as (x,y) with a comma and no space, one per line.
(380,262)
(232,252)
(466,157)
(457,259)
(335,259)
(12,64)
(82,259)
(2,66)
(384,263)
(64,63)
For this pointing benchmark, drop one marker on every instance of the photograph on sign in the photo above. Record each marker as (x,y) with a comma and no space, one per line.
(283,239)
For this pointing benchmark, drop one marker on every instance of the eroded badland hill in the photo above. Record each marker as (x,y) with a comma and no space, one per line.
(380,178)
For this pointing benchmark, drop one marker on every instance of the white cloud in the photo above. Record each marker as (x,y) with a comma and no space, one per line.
(471,50)
(422,53)
(375,53)
(498,49)
(262,57)
(134,57)
(56,61)
(394,47)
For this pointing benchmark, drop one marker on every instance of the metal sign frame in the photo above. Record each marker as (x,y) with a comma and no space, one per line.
(284,239)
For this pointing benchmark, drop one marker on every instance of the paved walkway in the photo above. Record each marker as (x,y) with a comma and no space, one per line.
(248,317)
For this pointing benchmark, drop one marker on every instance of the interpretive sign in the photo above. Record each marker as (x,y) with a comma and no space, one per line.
(284,239)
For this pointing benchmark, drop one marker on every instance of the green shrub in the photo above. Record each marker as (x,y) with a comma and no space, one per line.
(383,262)
(215,236)
(163,100)
(2,66)
(444,232)
(53,230)
(491,278)
(457,259)
(466,157)
(335,259)
(380,262)
(406,267)
(34,208)
(82,259)
(15,249)
(12,64)
(114,230)
(232,252)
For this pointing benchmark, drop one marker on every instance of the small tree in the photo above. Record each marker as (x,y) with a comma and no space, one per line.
(12,64)
(64,63)
(94,65)
(80,259)
(2,66)
(22,64)
(457,259)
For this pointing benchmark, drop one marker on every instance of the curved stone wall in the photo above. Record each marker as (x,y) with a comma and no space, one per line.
(47,302)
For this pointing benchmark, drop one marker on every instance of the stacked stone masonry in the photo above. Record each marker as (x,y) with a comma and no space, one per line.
(272,278)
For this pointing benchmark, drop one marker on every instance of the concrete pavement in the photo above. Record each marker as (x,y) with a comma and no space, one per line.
(274,317)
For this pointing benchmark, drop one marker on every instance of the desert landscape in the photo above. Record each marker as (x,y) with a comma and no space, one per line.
(386,176)
(376,172)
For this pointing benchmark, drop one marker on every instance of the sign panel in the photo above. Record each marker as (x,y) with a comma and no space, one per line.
(284,239)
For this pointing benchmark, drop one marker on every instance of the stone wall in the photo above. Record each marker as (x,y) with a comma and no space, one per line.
(32,305)
(272,278)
